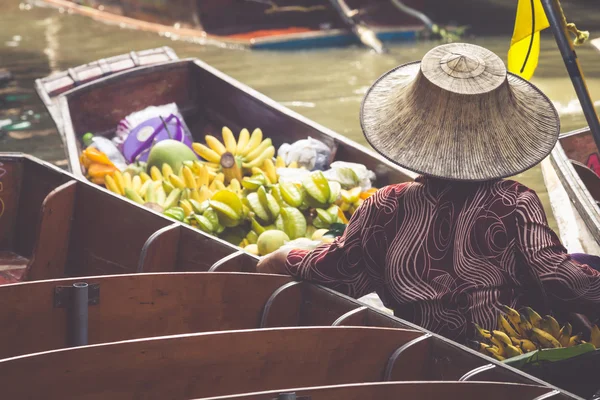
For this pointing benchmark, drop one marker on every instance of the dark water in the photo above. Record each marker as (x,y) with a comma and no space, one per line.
(324,85)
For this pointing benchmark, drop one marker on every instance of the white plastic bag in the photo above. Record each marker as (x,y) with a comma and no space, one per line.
(309,153)
(292,175)
(350,175)
(302,244)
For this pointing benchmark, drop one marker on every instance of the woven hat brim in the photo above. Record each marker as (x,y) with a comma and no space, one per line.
(466,138)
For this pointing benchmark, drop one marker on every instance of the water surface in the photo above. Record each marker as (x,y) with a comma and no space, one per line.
(324,85)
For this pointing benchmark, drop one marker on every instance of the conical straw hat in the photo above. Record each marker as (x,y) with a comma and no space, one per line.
(459,115)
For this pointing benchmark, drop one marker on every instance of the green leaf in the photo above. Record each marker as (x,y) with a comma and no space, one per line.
(549,355)
(335,230)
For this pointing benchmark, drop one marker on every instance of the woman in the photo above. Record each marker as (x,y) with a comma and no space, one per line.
(450,248)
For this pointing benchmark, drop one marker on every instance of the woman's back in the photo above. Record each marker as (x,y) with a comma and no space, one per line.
(446,254)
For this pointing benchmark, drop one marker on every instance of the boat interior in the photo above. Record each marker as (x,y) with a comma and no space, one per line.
(208,100)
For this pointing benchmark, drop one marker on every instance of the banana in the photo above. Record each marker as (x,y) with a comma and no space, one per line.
(172,199)
(254,141)
(242,140)
(155,173)
(505,326)
(269,152)
(120,181)
(127,180)
(484,333)
(265,144)
(279,162)
(235,186)
(565,335)
(167,186)
(111,184)
(187,207)
(206,153)
(595,336)
(215,144)
(550,325)
(514,318)
(533,317)
(144,177)
(177,181)
(270,170)
(161,195)
(575,340)
(229,140)
(150,195)
(500,338)
(166,171)
(136,183)
(512,351)
(205,194)
(525,327)
(188,178)
(495,351)
(544,338)
(132,195)
(527,345)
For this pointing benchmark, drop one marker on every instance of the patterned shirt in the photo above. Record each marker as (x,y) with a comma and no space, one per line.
(446,254)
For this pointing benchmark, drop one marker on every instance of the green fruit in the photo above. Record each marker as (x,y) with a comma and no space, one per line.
(317,187)
(169,152)
(175,213)
(269,241)
(294,223)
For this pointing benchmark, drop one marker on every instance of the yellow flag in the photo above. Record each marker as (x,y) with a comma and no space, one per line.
(524,49)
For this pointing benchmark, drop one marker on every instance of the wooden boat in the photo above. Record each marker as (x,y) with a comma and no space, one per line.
(143,305)
(207,98)
(405,390)
(256,24)
(572,174)
(54,224)
(243,361)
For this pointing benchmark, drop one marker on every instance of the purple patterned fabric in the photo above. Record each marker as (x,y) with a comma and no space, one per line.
(446,254)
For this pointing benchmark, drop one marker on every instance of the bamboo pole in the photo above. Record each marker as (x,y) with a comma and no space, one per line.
(561,34)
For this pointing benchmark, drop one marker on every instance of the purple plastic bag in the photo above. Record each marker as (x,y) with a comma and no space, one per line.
(140,140)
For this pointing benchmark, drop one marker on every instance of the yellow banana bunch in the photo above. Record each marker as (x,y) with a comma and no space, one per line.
(249,150)
(521,333)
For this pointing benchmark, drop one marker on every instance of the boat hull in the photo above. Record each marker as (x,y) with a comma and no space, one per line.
(288,31)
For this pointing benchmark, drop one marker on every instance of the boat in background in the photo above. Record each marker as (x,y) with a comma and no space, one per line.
(255,24)
(572,175)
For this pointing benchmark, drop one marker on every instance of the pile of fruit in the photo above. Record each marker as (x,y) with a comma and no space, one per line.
(235,192)
(520,333)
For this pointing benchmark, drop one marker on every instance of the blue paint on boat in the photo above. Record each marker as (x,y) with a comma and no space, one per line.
(296,43)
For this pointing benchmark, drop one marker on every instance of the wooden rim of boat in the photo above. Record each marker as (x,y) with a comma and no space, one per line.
(308,391)
(201,36)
